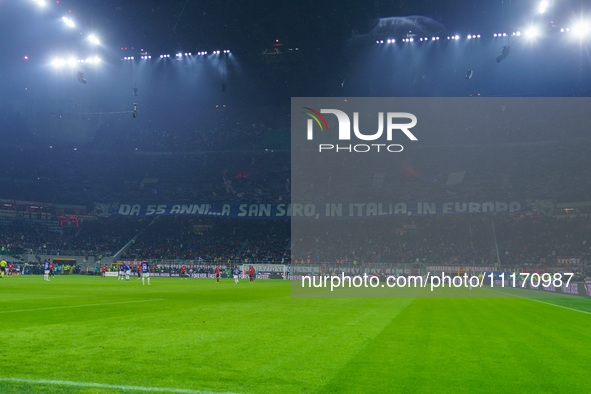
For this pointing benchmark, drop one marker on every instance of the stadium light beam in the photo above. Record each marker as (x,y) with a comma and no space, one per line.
(41,3)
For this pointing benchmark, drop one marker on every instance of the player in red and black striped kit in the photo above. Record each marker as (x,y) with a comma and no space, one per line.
(251,274)
(217,273)
(184,274)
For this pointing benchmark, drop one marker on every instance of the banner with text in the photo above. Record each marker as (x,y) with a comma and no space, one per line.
(328,210)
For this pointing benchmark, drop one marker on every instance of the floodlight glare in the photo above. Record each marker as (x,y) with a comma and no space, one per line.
(41,3)
(68,22)
(94,40)
(532,32)
(581,29)
(58,62)
(542,7)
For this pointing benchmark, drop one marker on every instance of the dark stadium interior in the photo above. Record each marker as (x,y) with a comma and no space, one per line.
(166,140)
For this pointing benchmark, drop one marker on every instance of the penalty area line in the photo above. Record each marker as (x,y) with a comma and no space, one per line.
(80,306)
(106,386)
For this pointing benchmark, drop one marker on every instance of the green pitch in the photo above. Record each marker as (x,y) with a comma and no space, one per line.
(92,335)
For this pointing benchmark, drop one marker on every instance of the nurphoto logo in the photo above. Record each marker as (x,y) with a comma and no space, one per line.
(393,129)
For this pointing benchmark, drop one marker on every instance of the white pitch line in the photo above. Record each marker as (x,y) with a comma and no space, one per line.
(106,386)
(80,306)
(541,302)
(560,306)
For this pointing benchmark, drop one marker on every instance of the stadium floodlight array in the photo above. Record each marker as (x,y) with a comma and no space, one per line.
(91,60)
(72,61)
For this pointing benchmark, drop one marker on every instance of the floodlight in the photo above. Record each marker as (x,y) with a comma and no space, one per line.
(532,32)
(581,29)
(68,22)
(58,62)
(543,6)
(41,3)
(94,40)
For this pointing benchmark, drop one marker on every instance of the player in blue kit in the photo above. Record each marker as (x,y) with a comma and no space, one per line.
(145,272)
(236,274)
(127,271)
(46,270)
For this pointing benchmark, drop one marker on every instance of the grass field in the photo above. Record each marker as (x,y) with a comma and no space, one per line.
(91,335)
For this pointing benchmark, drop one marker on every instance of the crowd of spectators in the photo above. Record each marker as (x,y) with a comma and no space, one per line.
(478,239)
(265,241)
(100,237)
(217,160)
(468,239)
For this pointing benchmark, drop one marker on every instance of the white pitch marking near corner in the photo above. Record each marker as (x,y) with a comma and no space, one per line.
(560,306)
(80,306)
(106,386)
(542,302)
